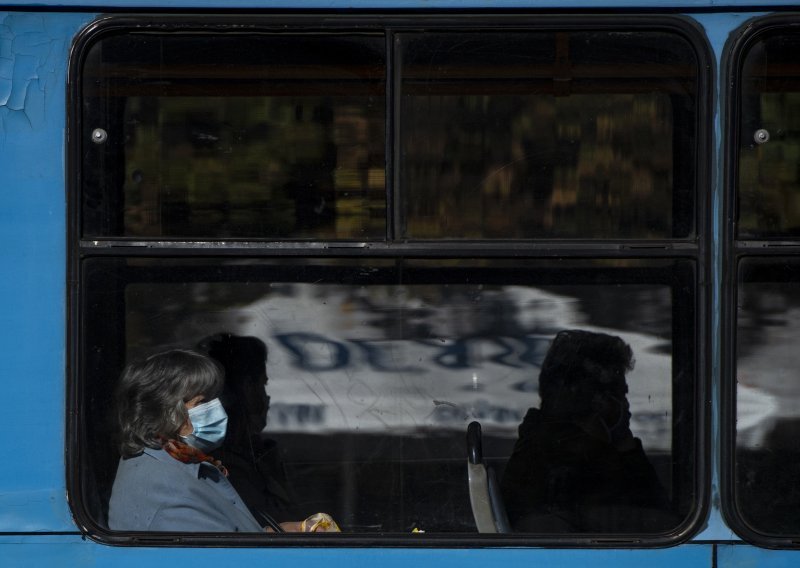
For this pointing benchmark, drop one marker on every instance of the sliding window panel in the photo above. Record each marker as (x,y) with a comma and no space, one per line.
(234,136)
(548,134)
(768,396)
(768,181)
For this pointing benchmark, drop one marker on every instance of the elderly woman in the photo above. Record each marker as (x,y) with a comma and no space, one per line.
(169,418)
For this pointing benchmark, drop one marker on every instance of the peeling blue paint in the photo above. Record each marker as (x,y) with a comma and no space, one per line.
(29,69)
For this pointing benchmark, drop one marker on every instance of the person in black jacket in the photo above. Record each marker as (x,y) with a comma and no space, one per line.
(253,460)
(576,466)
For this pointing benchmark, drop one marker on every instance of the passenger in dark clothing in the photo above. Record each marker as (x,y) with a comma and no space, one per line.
(576,466)
(256,470)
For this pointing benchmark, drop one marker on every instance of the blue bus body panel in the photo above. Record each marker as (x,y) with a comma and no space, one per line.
(411,4)
(733,556)
(717,28)
(34,49)
(72,551)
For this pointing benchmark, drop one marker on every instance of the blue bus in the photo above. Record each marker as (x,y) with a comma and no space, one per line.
(386,221)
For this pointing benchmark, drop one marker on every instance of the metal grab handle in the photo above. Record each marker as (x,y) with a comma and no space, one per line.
(474,443)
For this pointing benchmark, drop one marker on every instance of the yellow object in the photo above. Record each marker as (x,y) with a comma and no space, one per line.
(319,522)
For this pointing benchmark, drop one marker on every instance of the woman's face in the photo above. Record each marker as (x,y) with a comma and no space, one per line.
(187,427)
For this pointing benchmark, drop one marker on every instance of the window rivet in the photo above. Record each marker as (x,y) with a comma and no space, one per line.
(99,135)
(761,136)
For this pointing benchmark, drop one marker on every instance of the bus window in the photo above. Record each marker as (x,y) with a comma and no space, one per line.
(376,368)
(765,284)
(397,216)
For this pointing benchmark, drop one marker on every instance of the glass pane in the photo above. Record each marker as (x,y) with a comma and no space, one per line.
(375,369)
(768,395)
(548,134)
(769,138)
(234,136)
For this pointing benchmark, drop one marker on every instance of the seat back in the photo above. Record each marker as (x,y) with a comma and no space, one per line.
(484,492)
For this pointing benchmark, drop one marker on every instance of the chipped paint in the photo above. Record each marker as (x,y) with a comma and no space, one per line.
(32,62)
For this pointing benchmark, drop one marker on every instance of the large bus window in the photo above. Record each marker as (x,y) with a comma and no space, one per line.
(764,283)
(383,230)
(562,134)
(376,369)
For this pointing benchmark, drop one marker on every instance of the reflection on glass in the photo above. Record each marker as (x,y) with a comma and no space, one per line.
(570,134)
(769,138)
(270,136)
(768,395)
(375,373)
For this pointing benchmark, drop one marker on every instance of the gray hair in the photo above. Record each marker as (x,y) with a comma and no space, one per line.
(151,394)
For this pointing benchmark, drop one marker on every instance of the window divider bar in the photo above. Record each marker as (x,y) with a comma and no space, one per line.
(452,249)
(396,219)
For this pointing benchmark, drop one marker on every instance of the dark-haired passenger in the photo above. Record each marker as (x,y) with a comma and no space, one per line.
(256,469)
(576,466)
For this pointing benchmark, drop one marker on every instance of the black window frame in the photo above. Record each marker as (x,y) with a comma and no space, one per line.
(696,248)
(735,251)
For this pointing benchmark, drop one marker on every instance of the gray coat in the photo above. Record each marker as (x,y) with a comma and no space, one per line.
(155,492)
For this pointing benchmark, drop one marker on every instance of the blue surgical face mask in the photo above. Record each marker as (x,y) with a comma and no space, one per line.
(210,422)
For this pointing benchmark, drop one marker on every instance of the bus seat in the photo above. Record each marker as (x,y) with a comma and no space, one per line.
(484,492)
